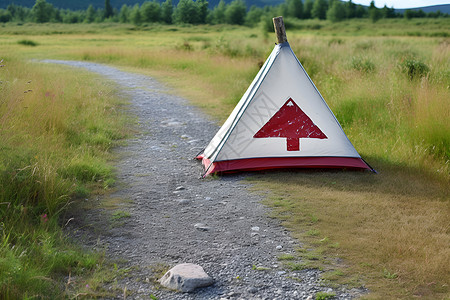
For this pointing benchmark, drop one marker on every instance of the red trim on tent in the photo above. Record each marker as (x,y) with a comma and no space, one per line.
(254,164)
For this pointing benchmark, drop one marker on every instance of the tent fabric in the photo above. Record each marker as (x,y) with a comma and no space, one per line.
(281,121)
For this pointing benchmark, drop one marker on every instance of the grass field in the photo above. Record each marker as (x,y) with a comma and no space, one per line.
(55,137)
(387,83)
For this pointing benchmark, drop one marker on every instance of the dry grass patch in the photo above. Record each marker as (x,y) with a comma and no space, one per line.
(391,228)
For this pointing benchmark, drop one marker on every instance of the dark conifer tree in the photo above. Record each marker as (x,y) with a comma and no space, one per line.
(374,12)
(108,9)
(319,9)
(42,11)
(307,8)
(235,12)
(124,14)
(295,8)
(90,14)
(167,11)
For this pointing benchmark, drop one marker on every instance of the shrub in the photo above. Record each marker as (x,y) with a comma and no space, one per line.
(414,68)
(27,43)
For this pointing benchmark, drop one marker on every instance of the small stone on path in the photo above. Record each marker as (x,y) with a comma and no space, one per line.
(201,227)
(186,278)
(183,201)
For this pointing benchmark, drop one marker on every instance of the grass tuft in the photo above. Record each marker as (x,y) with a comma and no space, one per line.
(364,65)
(286,256)
(27,43)
(324,295)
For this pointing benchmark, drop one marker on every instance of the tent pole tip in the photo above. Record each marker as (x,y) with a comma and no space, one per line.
(280,31)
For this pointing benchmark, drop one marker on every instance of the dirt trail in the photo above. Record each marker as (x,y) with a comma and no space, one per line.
(159,185)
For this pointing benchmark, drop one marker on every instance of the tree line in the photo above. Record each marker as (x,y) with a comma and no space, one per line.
(198,12)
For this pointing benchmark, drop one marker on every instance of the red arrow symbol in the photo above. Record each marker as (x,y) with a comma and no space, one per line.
(292,123)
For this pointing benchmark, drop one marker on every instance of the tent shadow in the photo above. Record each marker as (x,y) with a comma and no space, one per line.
(390,178)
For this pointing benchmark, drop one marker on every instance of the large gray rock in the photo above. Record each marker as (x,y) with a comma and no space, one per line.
(186,278)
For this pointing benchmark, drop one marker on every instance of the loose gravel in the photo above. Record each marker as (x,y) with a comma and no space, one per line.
(171,215)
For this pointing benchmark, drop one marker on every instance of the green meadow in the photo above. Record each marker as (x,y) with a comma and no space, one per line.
(387,83)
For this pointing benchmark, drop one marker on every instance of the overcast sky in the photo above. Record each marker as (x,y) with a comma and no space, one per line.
(402,3)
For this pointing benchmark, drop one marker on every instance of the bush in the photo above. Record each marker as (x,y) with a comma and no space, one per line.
(414,68)
(27,43)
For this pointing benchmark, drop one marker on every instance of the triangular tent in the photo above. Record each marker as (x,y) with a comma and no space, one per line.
(281,121)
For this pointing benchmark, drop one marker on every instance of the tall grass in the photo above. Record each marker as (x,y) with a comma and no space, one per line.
(54,140)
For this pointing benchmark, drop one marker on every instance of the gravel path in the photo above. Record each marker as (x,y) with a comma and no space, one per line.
(175,217)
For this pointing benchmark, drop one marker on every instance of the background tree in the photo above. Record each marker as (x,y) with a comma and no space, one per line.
(57,16)
(72,17)
(90,14)
(135,15)
(197,12)
(360,12)
(420,14)
(254,16)
(319,9)
(108,10)
(350,9)
(292,8)
(19,13)
(124,14)
(150,11)
(42,11)
(100,15)
(436,14)
(387,12)
(12,8)
(202,10)
(307,9)
(336,12)
(283,10)
(408,14)
(5,16)
(167,11)
(218,13)
(186,12)
(235,13)
(374,12)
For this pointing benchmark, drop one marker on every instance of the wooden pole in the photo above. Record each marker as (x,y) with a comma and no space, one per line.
(280,31)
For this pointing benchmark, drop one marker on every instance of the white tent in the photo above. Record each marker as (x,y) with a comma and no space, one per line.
(281,121)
